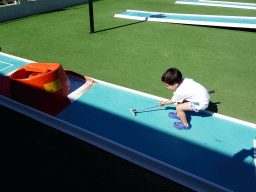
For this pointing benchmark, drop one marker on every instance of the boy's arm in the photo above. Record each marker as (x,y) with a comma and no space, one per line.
(168,102)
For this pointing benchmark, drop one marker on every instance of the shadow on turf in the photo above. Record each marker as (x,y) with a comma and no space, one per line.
(217,27)
(120,26)
(213,107)
(237,29)
(230,28)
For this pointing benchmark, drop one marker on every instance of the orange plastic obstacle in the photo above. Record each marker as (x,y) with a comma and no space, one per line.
(43,86)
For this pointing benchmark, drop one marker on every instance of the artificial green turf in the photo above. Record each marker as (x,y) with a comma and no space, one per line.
(136,55)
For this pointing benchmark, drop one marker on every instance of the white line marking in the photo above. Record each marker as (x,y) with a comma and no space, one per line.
(220,4)
(10,65)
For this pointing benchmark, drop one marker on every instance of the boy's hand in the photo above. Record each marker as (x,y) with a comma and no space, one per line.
(161,104)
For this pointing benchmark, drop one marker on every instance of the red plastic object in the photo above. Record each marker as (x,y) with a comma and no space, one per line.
(43,86)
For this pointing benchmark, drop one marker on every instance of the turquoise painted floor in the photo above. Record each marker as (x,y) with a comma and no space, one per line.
(214,149)
(9,64)
(212,20)
(220,3)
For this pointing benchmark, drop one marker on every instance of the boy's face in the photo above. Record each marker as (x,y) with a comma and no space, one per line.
(171,87)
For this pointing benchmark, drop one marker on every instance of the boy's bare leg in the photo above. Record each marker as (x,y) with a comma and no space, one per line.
(181,108)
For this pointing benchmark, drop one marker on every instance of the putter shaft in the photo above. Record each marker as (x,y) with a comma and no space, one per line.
(148,108)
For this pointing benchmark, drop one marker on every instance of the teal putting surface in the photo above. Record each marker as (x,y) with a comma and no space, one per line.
(218,3)
(213,20)
(9,64)
(214,149)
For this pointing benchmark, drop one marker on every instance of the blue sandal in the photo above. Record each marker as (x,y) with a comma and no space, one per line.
(173,115)
(180,126)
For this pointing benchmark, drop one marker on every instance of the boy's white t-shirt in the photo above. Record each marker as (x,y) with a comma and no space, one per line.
(192,91)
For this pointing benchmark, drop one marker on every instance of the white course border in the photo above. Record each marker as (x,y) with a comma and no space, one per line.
(219,4)
(191,22)
(164,99)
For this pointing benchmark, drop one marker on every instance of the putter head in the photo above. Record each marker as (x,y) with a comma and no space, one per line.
(133,112)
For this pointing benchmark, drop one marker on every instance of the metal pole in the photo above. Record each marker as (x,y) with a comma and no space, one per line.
(91,16)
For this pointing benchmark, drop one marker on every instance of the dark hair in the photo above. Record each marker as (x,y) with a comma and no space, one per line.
(172,76)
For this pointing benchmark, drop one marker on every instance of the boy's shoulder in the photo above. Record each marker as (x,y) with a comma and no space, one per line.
(187,82)
(188,85)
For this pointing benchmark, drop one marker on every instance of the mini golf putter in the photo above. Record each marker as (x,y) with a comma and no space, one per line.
(133,111)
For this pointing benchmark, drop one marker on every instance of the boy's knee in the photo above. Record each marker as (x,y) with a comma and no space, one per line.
(179,107)
(183,107)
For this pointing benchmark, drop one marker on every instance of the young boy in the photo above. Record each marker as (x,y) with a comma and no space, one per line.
(190,96)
